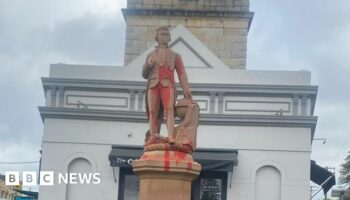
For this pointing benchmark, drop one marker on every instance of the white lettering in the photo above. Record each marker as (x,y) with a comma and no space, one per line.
(97,178)
(73,178)
(29,178)
(46,177)
(85,178)
(63,178)
(12,178)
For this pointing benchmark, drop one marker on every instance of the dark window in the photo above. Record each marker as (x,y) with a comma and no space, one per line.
(129,185)
(208,186)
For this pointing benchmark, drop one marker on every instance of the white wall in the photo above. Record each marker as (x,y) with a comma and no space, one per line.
(285,148)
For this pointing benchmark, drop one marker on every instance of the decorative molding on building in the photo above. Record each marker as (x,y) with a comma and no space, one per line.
(192,50)
(198,88)
(285,109)
(204,103)
(295,104)
(60,94)
(119,102)
(304,102)
(132,99)
(205,119)
(212,102)
(51,86)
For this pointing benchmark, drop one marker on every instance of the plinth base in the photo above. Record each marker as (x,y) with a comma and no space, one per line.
(166,175)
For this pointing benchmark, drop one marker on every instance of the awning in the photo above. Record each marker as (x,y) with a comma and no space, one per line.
(320,175)
(210,159)
(30,194)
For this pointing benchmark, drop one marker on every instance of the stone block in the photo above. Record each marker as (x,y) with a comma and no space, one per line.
(156,22)
(238,54)
(191,22)
(215,23)
(132,36)
(213,38)
(240,46)
(151,29)
(215,45)
(176,21)
(211,31)
(134,21)
(225,53)
(235,32)
(139,43)
(235,39)
(235,62)
(194,31)
(236,24)
(132,50)
(136,29)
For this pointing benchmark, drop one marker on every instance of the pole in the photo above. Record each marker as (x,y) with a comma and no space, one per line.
(321,186)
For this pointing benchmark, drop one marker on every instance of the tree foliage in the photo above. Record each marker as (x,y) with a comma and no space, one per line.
(345,170)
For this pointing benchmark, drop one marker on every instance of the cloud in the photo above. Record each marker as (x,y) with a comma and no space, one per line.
(312,35)
(89,39)
(20,151)
(35,34)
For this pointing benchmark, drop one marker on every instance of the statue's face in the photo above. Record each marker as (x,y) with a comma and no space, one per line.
(163,37)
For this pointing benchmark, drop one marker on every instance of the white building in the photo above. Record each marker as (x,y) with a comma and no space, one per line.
(254,137)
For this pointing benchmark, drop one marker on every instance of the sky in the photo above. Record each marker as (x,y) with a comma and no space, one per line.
(285,35)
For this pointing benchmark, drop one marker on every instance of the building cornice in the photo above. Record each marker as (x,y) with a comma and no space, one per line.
(115,85)
(205,119)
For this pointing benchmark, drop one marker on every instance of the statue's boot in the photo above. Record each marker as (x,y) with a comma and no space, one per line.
(171,140)
(152,140)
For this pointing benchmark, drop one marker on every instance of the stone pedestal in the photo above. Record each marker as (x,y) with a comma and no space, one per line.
(166,175)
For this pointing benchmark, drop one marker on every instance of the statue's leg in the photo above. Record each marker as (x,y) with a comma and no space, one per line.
(153,105)
(168,101)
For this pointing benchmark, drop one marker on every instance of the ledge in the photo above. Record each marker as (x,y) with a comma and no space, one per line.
(205,119)
(114,85)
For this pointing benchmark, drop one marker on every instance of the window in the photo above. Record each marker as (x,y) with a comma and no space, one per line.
(129,185)
(208,186)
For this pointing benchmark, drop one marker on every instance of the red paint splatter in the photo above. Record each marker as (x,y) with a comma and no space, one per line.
(167,160)
(189,165)
(181,156)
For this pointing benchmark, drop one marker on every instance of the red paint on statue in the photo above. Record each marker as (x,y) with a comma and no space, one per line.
(167,160)
(180,155)
(189,165)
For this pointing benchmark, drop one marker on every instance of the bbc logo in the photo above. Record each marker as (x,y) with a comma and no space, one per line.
(29,178)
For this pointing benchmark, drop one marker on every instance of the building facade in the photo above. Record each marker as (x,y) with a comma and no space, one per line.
(255,129)
(8,192)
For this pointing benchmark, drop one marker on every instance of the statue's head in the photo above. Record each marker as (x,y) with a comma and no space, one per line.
(163,35)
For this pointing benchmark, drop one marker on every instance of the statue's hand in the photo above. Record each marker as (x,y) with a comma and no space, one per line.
(150,62)
(187,95)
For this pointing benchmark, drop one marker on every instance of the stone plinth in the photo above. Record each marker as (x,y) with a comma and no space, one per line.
(166,175)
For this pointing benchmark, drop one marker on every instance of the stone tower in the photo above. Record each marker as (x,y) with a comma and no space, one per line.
(222,25)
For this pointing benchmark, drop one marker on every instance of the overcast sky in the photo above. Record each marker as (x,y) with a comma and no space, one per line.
(285,35)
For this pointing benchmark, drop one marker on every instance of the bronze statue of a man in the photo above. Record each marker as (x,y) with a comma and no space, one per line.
(161,88)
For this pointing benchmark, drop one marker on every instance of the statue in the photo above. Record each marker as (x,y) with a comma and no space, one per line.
(166,167)
(161,88)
